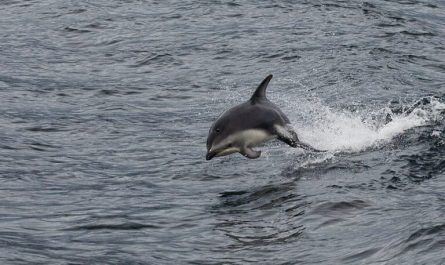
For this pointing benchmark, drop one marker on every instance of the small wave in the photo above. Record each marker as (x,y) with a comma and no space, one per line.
(362,255)
(262,197)
(75,30)
(343,207)
(352,131)
(108,92)
(42,129)
(124,226)
(160,59)
(415,33)
(41,146)
(424,240)
(432,231)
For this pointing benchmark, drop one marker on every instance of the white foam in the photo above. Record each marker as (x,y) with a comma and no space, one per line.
(346,131)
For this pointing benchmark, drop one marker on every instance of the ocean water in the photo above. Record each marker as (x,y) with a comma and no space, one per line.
(105,108)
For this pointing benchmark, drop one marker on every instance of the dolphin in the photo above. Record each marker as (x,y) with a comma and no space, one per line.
(249,124)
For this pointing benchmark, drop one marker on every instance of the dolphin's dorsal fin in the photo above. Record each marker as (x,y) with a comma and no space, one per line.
(260,92)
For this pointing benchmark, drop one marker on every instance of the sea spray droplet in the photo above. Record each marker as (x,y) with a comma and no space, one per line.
(435,134)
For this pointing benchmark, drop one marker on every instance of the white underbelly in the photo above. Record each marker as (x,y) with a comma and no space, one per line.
(255,137)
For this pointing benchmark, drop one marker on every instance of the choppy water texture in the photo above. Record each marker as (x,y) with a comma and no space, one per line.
(106,105)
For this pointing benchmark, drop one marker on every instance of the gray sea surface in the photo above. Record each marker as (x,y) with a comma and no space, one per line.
(105,108)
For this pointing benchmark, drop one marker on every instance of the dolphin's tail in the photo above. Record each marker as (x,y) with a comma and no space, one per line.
(308,147)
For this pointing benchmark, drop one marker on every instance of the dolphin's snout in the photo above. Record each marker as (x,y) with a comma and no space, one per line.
(210,155)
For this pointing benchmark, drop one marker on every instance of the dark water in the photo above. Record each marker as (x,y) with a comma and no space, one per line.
(105,108)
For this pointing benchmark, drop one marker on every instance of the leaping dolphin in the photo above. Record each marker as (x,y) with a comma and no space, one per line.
(249,124)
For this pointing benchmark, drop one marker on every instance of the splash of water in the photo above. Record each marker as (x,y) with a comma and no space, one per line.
(348,131)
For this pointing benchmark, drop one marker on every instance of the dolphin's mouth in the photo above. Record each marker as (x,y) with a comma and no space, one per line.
(221,152)
(210,155)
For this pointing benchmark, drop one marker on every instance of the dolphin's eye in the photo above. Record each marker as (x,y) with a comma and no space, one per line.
(218,130)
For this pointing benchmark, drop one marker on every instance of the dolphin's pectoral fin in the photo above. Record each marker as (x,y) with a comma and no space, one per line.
(289,136)
(250,153)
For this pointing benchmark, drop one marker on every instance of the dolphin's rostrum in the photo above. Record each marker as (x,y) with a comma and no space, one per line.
(249,124)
